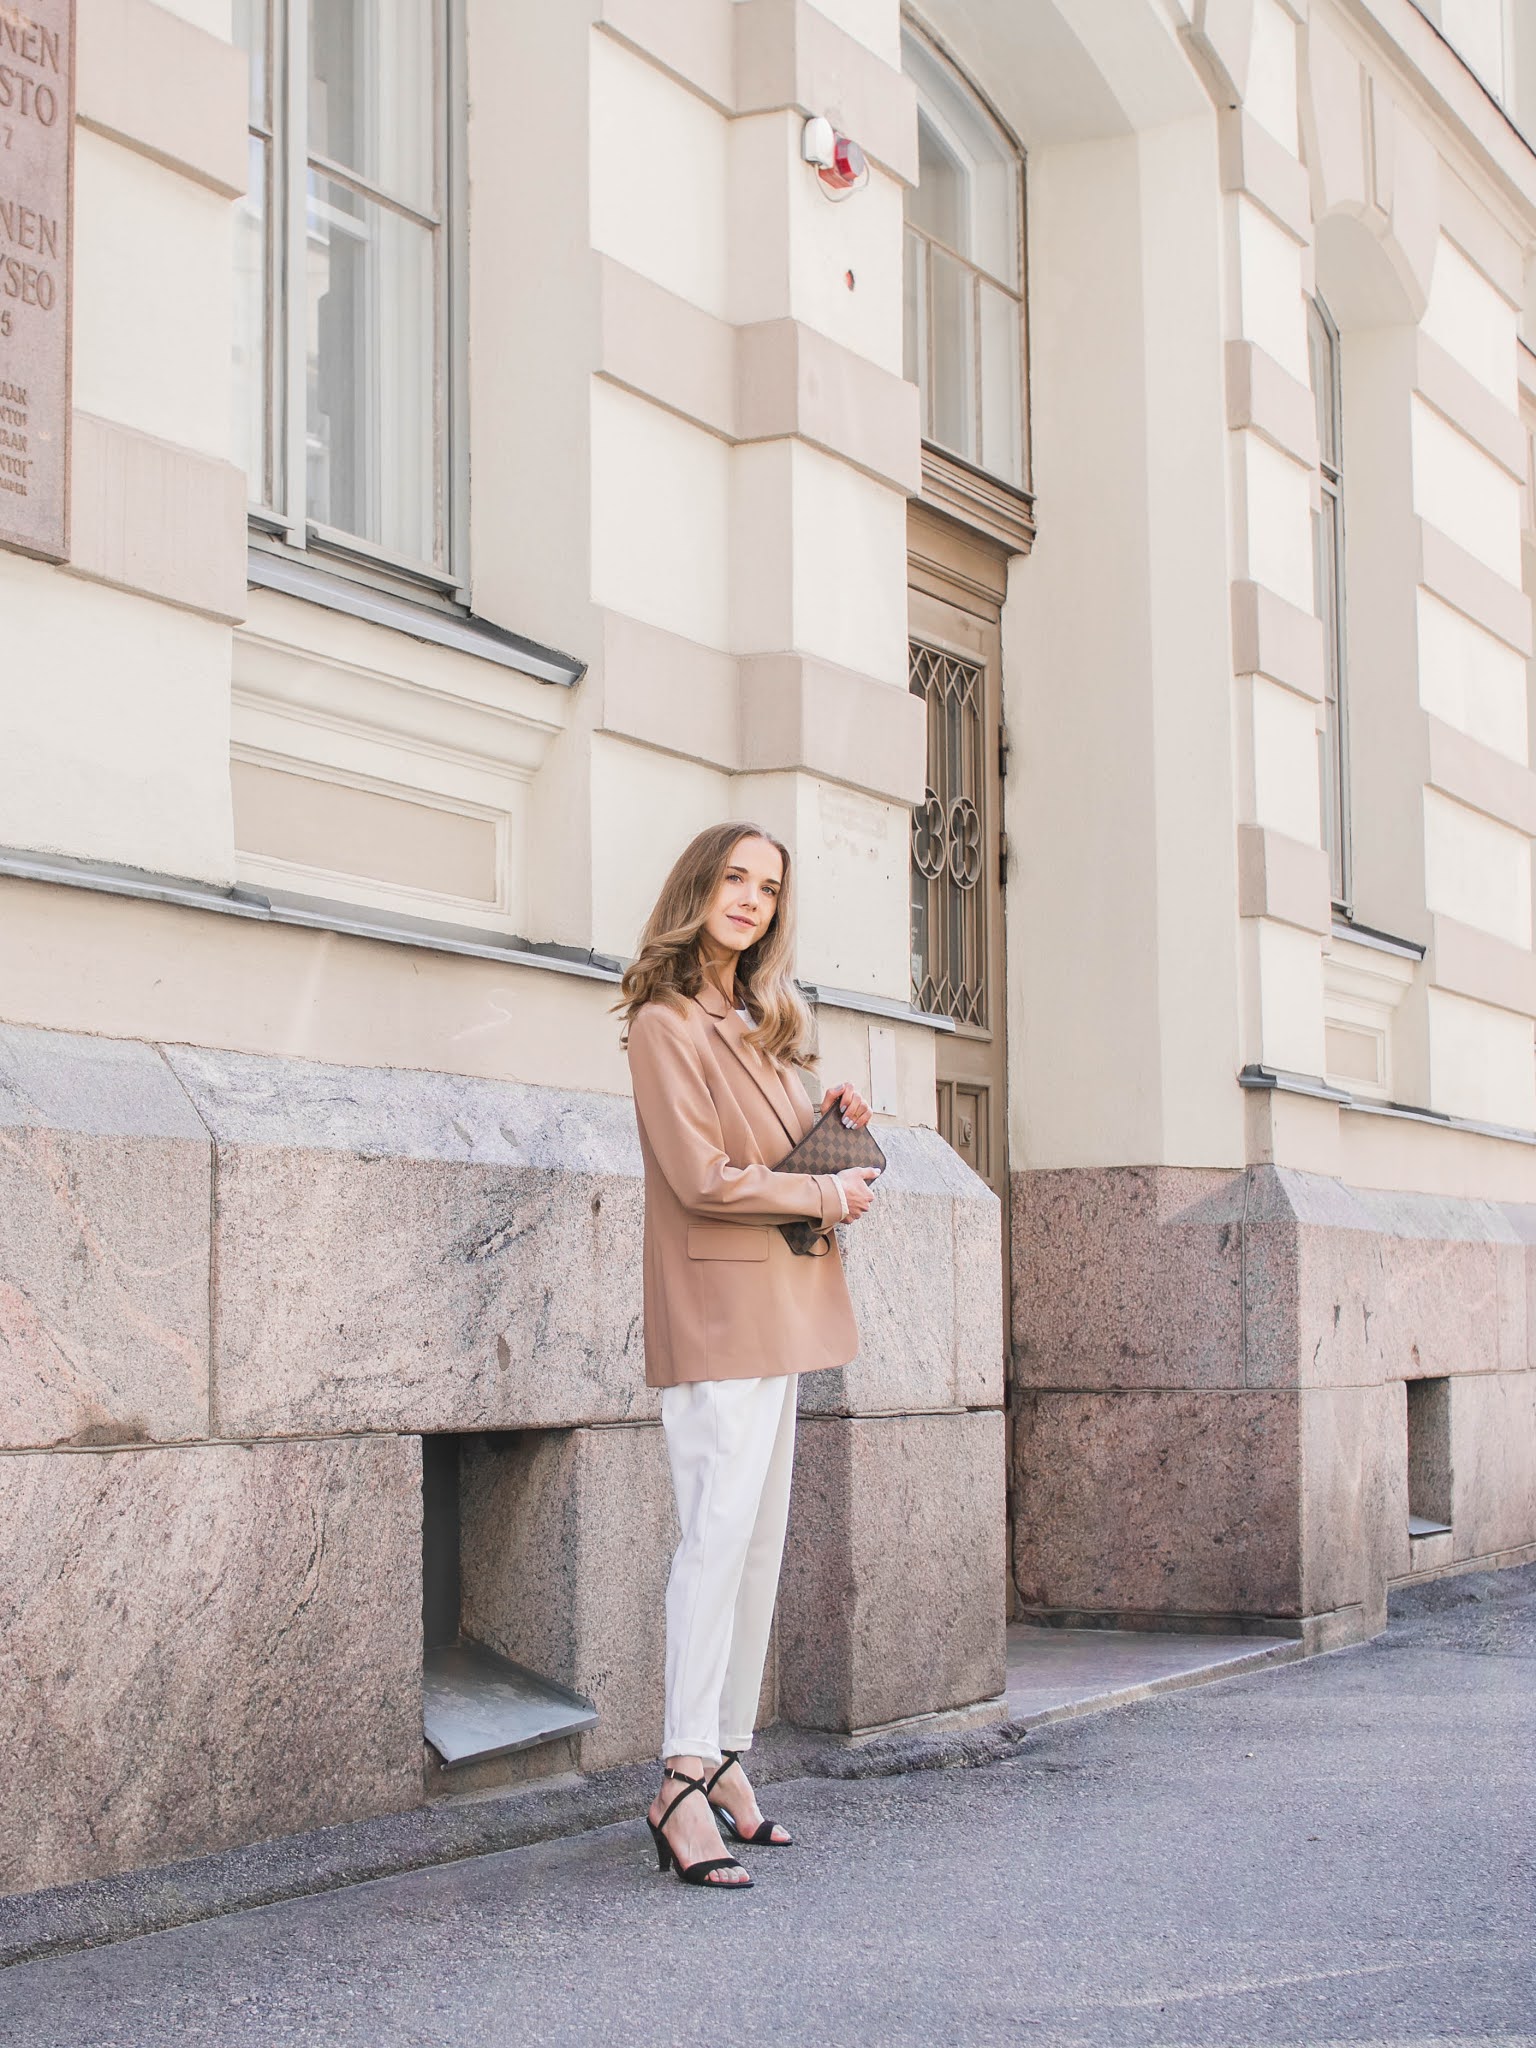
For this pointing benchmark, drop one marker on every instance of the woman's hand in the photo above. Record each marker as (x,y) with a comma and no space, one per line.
(856,1111)
(856,1183)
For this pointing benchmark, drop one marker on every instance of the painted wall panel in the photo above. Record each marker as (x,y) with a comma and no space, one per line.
(1471,680)
(1472,322)
(660,517)
(660,177)
(1271,309)
(1481,1062)
(1476,870)
(1458,489)
(1278,507)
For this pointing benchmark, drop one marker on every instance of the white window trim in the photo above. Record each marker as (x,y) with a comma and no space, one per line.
(284,528)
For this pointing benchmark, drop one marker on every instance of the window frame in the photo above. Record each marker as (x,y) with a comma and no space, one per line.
(977,274)
(279,520)
(1333,741)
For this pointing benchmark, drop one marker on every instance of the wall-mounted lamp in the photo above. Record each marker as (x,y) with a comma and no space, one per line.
(840,163)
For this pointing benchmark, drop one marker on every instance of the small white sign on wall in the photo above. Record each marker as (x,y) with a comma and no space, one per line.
(882,1070)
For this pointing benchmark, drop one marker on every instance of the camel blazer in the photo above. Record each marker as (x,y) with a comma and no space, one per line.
(725,1297)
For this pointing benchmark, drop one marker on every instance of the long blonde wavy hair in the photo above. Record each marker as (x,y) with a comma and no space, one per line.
(669,968)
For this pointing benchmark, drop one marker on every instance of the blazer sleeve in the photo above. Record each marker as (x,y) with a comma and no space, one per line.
(678,1114)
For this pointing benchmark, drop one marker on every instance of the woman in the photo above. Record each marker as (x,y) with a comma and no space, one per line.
(715,1031)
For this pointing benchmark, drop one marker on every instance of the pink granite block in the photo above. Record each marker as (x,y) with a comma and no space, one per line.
(1127,1277)
(1158,1502)
(104,1245)
(1354,1505)
(892,1597)
(1493,1462)
(202,1646)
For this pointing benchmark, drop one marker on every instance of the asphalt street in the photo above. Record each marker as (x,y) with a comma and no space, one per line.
(1341,1850)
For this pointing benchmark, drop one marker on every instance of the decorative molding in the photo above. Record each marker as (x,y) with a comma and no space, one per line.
(1363,987)
(984,503)
(161,86)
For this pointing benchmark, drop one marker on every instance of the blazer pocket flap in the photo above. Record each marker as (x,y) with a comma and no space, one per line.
(727,1241)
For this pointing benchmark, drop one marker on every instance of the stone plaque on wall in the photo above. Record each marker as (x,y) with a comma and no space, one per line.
(37,101)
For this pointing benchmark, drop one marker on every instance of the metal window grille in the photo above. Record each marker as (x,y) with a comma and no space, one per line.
(949,838)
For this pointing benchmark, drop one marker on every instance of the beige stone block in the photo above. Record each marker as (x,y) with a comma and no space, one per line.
(104,1244)
(1158,1502)
(202,1646)
(1471,407)
(1471,587)
(1274,638)
(567,1540)
(1479,775)
(891,1602)
(161,520)
(150,78)
(789,54)
(1474,963)
(1253,162)
(819,718)
(1283,878)
(1493,1459)
(1263,395)
(660,345)
(790,379)
(454,1254)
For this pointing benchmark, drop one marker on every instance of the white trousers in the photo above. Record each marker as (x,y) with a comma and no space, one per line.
(731,1444)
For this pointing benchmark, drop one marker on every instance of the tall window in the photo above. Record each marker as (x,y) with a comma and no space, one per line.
(343,321)
(965,273)
(1328,574)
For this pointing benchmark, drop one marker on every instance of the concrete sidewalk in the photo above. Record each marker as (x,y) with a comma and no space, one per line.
(1056,1674)
(1338,1851)
(1052,1674)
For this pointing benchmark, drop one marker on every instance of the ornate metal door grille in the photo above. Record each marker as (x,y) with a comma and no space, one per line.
(949,839)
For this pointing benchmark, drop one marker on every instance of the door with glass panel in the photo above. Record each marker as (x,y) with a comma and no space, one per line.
(959,851)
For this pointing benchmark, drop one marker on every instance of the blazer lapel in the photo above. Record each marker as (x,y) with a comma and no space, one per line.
(733,1030)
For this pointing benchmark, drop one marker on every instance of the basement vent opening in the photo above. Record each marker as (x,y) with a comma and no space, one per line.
(476,1703)
(1429,1457)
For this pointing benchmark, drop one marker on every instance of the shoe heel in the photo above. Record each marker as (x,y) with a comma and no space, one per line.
(663,1852)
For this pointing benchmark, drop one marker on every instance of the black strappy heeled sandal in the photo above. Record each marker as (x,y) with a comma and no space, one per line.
(761,1836)
(666,1855)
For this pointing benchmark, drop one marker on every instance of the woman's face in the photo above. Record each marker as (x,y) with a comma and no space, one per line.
(747,897)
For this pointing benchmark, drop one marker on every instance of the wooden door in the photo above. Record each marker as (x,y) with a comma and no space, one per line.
(959,850)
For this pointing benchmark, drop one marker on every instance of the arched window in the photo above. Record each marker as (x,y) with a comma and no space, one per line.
(1328,561)
(965,273)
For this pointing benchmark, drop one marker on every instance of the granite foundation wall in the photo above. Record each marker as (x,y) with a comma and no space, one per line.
(235,1292)
(1210,1370)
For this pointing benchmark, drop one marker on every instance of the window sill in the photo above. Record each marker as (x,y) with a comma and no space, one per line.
(268,570)
(1380,942)
(985,503)
(1285,1083)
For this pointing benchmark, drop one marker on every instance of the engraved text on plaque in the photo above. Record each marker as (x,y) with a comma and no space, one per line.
(36,158)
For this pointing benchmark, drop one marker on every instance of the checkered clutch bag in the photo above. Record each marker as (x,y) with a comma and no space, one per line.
(827,1147)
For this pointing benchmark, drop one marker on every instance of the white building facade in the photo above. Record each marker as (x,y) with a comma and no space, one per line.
(1097,541)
